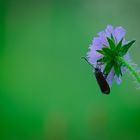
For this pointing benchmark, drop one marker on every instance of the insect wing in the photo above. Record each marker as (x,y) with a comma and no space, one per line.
(102,81)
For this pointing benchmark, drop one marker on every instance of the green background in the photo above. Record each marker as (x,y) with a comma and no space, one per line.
(46,91)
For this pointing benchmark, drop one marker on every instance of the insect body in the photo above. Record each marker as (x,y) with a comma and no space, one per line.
(101,79)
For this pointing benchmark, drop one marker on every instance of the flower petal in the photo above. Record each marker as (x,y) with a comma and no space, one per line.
(127,58)
(110,77)
(119,33)
(118,80)
(103,39)
(96,44)
(109,30)
(93,56)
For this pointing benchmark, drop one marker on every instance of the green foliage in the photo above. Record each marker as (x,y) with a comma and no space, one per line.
(111,53)
(118,47)
(111,42)
(124,49)
(117,68)
(108,67)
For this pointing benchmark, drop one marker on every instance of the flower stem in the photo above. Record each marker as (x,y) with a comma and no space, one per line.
(130,68)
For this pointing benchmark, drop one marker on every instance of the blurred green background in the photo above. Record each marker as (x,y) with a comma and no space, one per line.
(46,91)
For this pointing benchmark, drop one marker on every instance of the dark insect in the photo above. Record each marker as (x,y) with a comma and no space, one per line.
(101,79)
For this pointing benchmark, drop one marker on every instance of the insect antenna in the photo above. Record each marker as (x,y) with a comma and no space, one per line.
(87,61)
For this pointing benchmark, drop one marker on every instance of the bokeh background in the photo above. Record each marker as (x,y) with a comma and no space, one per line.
(46,91)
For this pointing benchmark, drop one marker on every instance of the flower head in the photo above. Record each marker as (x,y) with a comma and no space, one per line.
(105,51)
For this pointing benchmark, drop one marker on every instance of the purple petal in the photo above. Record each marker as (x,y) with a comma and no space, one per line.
(102,38)
(93,56)
(127,58)
(124,70)
(96,44)
(109,30)
(118,80)
(110,77)
(119,33)
(124,41)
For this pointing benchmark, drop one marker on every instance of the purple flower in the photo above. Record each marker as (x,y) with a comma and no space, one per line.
(101,42)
